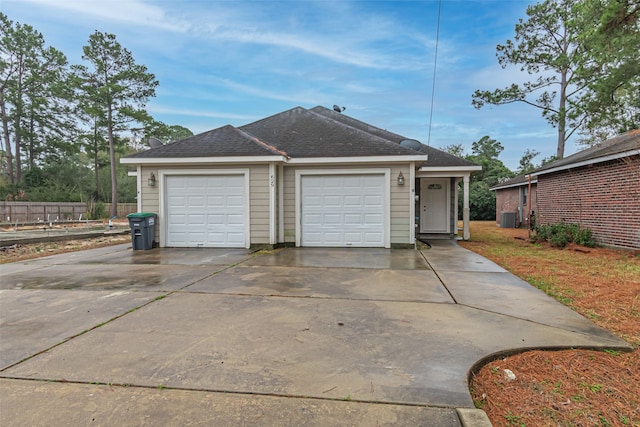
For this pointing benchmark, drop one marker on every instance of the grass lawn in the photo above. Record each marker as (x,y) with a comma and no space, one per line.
(569,387)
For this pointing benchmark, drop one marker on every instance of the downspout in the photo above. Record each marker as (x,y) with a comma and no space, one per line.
(529,205)
(412,203)
(272,204)
(466,233)
(138,187)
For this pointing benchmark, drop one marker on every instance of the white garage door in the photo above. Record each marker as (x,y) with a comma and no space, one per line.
(343,210)
(206,211)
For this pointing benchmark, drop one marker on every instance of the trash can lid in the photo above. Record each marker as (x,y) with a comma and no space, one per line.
(140,215)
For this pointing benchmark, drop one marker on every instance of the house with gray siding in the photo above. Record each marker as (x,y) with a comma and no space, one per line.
(303,177)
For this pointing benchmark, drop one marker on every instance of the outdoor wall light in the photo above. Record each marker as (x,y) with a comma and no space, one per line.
(152,180)
(400,179)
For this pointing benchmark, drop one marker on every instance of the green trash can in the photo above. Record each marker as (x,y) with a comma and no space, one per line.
(143,230)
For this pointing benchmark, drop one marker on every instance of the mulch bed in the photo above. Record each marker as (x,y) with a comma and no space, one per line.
(569,387)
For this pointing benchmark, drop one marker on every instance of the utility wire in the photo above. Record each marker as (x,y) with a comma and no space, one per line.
(435,64)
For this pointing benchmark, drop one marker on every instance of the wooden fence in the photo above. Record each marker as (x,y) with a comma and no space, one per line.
(21,212)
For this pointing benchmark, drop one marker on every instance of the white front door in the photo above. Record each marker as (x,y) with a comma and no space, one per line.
(434,205)
(205,211)
(343,210)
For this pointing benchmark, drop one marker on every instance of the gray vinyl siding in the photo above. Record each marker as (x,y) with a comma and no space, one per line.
(150,196)
(289,204)
(400,206)
(259,199)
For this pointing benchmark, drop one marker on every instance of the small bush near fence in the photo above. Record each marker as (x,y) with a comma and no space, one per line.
(560,235)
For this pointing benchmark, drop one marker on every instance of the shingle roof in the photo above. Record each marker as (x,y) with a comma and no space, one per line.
(350,121)
(300,133)
(437,158)
(518,181)
(618,145)
(220,142)
(303,133)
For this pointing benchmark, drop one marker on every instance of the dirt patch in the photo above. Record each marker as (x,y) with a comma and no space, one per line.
(20,252)
(572,387)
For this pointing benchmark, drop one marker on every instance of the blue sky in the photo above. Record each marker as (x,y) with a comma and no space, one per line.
(233,62)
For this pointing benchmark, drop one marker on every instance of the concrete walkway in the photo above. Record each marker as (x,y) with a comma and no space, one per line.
(291,337)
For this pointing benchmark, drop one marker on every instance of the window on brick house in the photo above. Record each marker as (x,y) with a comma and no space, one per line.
(525,194)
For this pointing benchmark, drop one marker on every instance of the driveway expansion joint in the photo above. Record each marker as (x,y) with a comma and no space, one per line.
(418,353)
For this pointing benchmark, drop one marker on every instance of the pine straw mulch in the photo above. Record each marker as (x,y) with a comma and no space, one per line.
(568,387)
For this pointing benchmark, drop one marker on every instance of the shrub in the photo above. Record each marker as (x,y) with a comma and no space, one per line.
(584,237)
(96,210)
(561,234)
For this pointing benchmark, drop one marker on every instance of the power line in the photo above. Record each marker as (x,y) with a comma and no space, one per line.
(435,64)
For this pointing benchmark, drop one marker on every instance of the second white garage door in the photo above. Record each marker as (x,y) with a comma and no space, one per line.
(343,210)
(206,211)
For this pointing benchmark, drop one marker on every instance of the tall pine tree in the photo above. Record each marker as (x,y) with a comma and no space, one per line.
(119,87)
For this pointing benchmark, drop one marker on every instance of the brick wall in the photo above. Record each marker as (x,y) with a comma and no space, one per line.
(604,197)
(508,200)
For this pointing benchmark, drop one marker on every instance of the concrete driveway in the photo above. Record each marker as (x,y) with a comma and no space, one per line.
(290,337)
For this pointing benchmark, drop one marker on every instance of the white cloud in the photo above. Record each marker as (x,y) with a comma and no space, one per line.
(131,12)
(159,109)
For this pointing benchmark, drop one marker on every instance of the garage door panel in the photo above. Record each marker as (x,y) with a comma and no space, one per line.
(196,236)
(332,238)
(372,201)
(331,201)
(312,219)
(235,202)
(373,219)
(196,201)
(177,200)
(353,201)
(206,211)
(353,219)
(215,200)
(237,220)
(195,220)
(332,219)
(343,210)
(215,220)
(177,218)
(373,237)
(236,238)
(352,236)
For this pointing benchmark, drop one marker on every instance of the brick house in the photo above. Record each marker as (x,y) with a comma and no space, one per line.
(515,197)
(597,188)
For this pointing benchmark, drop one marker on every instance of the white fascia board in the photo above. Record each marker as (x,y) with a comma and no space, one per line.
(450,168)
(200,160)
(588,162)
(443,172)
(521,184)
(359,159)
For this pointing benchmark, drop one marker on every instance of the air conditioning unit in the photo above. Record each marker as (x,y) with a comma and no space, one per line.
(508,219)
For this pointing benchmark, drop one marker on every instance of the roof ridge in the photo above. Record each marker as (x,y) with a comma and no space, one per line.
(358,130)
(365,124)
(261,143)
